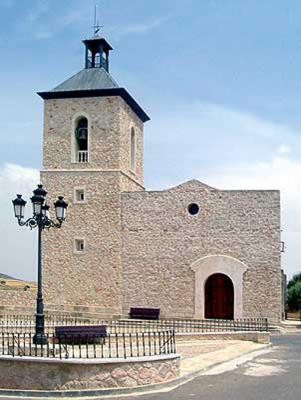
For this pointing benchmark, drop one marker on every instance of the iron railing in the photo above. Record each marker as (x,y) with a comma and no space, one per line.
(118,345)
(82,156)
(195,326)
(26,324)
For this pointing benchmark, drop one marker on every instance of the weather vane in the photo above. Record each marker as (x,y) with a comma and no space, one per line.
(96,26)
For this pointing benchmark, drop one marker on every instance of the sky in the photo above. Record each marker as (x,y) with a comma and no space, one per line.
(219,78)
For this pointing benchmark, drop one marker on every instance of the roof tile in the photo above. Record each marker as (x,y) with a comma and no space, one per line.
(88,79)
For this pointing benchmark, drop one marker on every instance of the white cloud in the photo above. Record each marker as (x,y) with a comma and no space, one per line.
(45,20)
(42,34)
(227,122)
(283,149)
(196,137)
(73,17)
(141,28)
(18,245)
(220,128)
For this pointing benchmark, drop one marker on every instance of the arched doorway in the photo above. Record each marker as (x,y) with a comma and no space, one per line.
(219,297)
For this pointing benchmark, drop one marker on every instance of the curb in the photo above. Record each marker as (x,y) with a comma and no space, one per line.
(166,386)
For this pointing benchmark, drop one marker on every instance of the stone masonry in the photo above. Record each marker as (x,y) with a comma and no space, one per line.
(52,374)
(94,277)
(161,241)
(143,248)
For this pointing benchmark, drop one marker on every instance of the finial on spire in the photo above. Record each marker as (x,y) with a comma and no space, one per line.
(96,27)
(97,48)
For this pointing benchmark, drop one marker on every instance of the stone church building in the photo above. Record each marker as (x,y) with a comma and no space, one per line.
(193,251)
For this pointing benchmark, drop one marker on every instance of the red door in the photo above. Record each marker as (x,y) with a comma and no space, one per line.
(219,297)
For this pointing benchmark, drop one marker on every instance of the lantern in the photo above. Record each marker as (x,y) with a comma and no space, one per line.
(38,199)
(60,209)
(19,206)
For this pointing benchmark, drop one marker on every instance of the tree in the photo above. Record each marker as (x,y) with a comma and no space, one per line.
(295,278)
(294,293)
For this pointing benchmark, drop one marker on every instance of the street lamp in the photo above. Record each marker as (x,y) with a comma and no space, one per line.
(41,220)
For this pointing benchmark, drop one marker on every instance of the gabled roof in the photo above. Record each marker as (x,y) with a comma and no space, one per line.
(193,185)
(88,79)
(93,82)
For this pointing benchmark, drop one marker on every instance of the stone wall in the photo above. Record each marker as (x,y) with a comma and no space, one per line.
(51,374)
(17,295)
(18,300)
(92,278)
(109,124)
(129,119)
(161,241)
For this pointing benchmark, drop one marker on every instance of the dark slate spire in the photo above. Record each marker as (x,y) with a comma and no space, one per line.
(94,80)
(88,79)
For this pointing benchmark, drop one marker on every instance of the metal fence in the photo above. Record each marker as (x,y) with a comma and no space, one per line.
(118,345)
(26,324)
(192,325)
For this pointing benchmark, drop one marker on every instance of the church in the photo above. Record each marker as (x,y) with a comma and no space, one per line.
(193,251)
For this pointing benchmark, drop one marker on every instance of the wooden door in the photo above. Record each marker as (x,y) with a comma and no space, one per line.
(219,297)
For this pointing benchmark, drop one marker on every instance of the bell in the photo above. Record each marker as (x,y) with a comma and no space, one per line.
(81,133)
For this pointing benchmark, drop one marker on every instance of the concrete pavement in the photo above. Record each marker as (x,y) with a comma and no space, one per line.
(198,357)
(274,375)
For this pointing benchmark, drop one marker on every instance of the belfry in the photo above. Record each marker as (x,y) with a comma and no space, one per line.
(97,53)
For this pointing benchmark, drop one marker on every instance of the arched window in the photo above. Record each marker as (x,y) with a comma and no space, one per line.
(133,149)
(81,140)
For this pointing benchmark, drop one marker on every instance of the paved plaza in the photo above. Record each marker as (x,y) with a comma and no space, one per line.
(273,375)
(198,356)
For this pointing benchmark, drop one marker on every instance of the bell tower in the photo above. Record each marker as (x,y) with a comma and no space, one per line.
(97,53)
(92,151)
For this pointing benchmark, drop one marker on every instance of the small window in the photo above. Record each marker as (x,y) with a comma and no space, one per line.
(133,150)
(193,208)
(80,196)
(79,245)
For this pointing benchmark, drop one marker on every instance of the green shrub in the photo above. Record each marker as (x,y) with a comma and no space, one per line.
(294,295)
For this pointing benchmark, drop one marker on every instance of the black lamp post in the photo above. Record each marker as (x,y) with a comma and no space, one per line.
(41,220)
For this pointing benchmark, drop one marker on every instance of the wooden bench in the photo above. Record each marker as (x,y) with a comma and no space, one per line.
(145,313)
(81,334)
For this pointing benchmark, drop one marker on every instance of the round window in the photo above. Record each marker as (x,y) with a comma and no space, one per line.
(193,209)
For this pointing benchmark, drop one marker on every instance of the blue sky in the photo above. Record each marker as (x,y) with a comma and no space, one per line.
(220,79)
